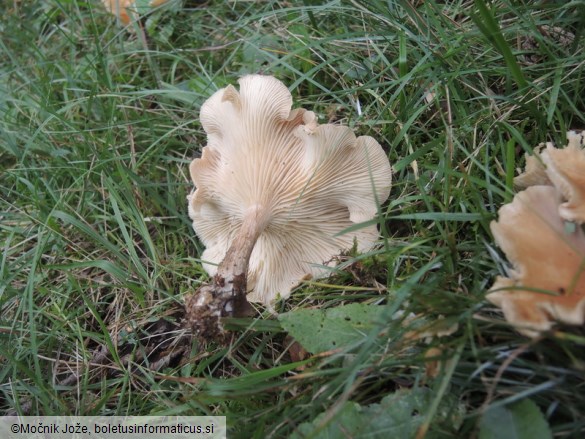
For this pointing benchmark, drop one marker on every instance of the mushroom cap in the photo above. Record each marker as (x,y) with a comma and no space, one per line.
(562,168)
(547,282)
(566,169)
(308,183)
(120,7)
(534,173)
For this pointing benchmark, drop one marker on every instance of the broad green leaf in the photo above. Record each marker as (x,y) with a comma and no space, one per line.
(521,420)
(323,330)
(398,415)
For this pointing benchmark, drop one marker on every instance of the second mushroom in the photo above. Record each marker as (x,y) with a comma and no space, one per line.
(276,194)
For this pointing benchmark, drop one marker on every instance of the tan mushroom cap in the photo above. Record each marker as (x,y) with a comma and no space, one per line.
(566,169)
(548,279)
(563,168)
(304,182)
(535,172)
(119,8)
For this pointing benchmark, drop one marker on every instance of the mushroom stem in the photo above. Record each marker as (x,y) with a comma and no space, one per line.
(236,259)
(226,296)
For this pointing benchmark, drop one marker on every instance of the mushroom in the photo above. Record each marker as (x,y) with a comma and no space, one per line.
(563,168)
(566,169)
(548,279)
(121,8)
(535,172)
(277,196)
(540,234)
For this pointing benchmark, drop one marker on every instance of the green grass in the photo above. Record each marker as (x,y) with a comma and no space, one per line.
(98,126)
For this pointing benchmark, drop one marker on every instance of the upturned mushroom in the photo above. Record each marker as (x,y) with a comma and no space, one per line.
(541,235)
(277,196)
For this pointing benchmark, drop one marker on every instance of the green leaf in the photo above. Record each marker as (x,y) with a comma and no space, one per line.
(521,420)
(323,330)
(398,415)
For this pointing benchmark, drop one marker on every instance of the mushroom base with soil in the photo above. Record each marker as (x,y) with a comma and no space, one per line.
(226,296)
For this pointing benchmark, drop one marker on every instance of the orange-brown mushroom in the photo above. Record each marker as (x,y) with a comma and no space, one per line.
(566,169)
(563,168)
(547,282)
(534,173)
(123,8)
